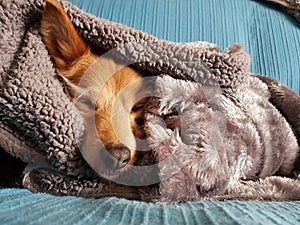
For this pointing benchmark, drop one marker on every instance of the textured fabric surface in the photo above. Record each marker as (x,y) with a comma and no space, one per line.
(22,207)
(272,39)
(290,6)
(269,35)
(215,147)
(43,128)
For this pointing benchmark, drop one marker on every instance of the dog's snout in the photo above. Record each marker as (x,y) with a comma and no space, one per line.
(115,157)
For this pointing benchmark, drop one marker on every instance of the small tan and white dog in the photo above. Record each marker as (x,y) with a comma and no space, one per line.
(73,59)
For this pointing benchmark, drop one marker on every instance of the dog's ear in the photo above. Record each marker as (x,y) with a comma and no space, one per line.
(71,55)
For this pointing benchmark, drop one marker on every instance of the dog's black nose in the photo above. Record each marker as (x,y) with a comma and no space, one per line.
(115,156)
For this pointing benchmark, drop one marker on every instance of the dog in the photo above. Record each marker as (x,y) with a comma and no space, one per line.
(73,59)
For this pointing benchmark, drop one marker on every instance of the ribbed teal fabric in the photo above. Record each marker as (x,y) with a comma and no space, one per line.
(271,37)
(273,40)
(22,207)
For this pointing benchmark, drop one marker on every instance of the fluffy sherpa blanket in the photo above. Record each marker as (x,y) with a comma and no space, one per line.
(215,130)
(290,6)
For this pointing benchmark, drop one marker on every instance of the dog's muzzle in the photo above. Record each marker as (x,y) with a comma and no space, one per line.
(115,156)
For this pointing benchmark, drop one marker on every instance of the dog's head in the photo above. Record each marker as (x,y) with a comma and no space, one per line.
(111,121)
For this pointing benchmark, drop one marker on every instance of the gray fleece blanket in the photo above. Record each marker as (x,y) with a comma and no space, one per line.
(215,130)
(290,6)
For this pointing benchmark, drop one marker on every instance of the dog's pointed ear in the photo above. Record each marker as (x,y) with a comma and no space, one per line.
(62,40)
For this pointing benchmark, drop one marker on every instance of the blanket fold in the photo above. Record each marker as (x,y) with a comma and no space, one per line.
(210,92)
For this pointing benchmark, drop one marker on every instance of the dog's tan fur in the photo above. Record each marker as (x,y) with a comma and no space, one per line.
(72,58)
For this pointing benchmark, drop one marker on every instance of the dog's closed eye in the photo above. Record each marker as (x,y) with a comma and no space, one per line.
(72,58)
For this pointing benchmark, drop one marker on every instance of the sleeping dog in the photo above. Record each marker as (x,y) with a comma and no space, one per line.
(231,171)
(102,80)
